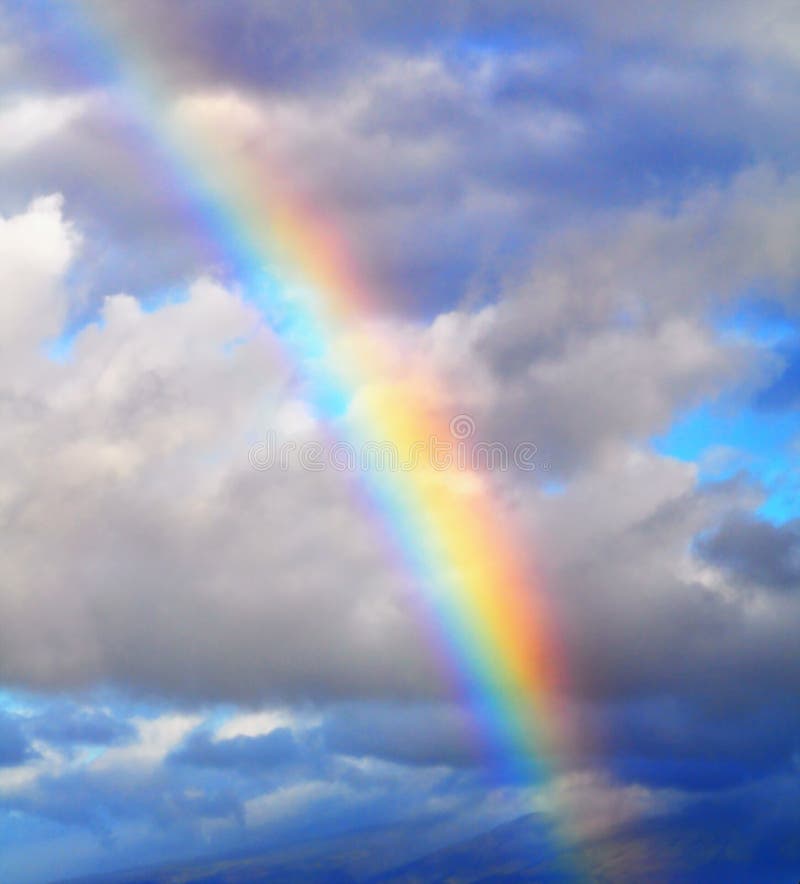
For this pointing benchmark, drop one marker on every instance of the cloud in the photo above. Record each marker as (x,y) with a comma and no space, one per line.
(420,734)
(27,121)
(14,747)
(164,548)
(613,330)
(756,551)
(69,725)
(276,748)
(36,248)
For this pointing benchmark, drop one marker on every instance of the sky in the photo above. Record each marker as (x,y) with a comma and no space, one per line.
(581,219)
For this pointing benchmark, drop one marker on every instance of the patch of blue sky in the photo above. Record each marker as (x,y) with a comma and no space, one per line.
(553,488)
(19,827)
(13,702)
(59,349)
(119,705)
(760,318)
(731,435)
(505,41)
(156,301)
(219,715)
(725,440)
(289,310)
(90,755)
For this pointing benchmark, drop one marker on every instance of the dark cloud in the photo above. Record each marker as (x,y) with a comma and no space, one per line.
(419,734)
(246,754)
(674,741)
(14,746)
(756,551)
(493,142)
(66,725)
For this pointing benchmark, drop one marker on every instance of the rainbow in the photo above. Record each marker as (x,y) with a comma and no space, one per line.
(466,567)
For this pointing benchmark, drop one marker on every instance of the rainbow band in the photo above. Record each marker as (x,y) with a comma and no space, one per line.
(465,569)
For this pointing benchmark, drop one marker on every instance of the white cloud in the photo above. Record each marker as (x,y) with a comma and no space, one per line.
(156,737)
(28,120)
(253,724)
(36,248)
(140,544)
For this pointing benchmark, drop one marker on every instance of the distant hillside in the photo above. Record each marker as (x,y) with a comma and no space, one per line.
(686,850)
(361,858)
(522,851)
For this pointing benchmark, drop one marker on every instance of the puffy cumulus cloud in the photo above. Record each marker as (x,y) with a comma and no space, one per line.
(613,386)
(141,547)
(120,193)
(36,248)
(614,329)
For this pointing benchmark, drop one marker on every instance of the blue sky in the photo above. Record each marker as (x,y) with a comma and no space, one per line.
(583,219)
